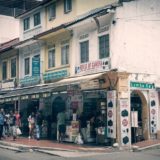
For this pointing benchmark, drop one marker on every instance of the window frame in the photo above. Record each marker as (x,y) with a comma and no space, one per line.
(26,73)
(105,55)
(67,6)
(6,72)
(11,67)
(63,46)
(87,55)
(49,8)
(27,22)
(53,62)
(35,19)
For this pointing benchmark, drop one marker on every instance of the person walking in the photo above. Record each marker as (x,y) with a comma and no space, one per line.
(13,125)
(61,125)
(1,123)
(39,122)
(83,126)
(31,125)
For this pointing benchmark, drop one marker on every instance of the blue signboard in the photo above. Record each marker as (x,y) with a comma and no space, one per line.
(35,66)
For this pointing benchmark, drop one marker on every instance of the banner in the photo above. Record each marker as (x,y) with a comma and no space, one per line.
(134,119)
(111,114)
(153,98)
(125,121)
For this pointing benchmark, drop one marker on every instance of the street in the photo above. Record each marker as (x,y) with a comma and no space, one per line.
(145,155)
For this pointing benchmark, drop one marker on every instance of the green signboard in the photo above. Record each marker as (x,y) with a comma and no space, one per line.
(142,85)
(30,80)
(35,66)
(55,75)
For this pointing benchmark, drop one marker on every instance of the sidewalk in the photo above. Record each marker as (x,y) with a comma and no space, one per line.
(53,145)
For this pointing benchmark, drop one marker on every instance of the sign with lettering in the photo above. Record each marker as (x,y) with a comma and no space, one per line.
(153,98)
(93,66)
(55,75)
(30,80)
(142,85)
(35,66)
(111,113)
(125,122)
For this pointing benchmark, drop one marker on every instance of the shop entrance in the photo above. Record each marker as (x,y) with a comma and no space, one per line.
(139,117)
(58,105)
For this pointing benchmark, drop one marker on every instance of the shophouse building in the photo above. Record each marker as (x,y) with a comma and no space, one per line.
(97,60)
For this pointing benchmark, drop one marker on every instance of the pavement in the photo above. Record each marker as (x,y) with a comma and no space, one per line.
(68,149)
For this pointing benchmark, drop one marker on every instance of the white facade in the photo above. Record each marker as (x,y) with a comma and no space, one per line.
(9,28)
(33,30)
(135,37)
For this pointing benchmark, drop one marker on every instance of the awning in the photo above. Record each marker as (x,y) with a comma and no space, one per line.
(47,88)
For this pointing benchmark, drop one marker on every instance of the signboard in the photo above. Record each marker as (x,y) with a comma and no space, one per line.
(125,122)
(93,66)
(134,118)
(30,80)
(111,114)
(35,66)
(153,100)
(55,75)
(142,85)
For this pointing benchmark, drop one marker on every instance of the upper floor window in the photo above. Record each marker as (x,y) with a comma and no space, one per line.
(67,6)
(84,51)
(26,66)
(65,54)
(13,67)
(4,70)
(51,57)
(52,11)
(104,46)
(37,19)
(26,24)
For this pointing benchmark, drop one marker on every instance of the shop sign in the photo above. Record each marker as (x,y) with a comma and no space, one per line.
(93,66)
(24,97)
(35,66)
(125,121)
(35,96)
(46,95)
(8,100)
(29,80)
(142,85)
(15,98)
(111,112)
(1,100)
(134,119)
(153,100)
(55,75)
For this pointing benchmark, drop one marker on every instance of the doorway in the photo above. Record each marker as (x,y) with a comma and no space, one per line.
(139,117)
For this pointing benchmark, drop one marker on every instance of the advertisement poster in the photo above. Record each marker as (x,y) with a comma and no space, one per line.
(153,98)
(111,114)
(134,119)
(125,121)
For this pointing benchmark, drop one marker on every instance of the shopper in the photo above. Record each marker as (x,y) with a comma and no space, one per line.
(1,123)
(39,122)
(13,125)
(83,126)
(31,125)
(61,118)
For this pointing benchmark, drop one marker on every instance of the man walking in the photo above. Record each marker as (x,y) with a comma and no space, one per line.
(39,121)
(1,123)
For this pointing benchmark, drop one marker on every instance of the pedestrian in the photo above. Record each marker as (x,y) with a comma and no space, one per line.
(7,126)
(61,125)
(31,125)
(1,122)
(13,125)
(39,122)
(83,126)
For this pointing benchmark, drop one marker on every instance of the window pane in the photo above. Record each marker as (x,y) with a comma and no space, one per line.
(104,46)
(37,19)
(67,5)
(52,11)
(64,54)
(26,66)
(4,70)
(26,23)
(84,51)
(51,58)
(13,67)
